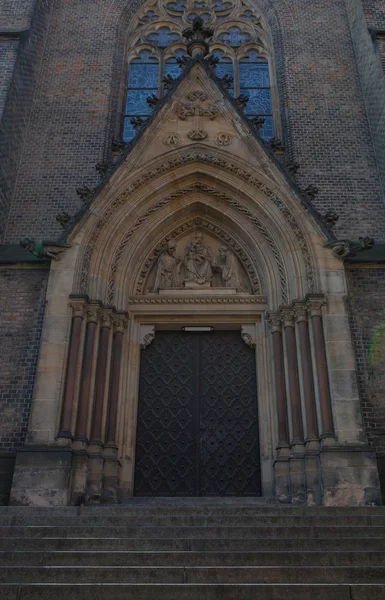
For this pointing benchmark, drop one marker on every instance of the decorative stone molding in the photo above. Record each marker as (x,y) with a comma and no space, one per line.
(106,317)
(147,335)
(224,139)
(183,159)
(248,335)
(287,316)
(93,313)
(197,135)
(300,311)
(274,321)
(172,139)
(314,304)
(239,299)
(120,322)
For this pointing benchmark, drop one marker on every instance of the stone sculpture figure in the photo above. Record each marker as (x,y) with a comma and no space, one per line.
(230,269)
(197,262)
(168,268)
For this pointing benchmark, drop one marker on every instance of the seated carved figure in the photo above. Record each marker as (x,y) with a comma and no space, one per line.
(198,262)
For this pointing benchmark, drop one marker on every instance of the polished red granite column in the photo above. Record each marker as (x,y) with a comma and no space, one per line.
(78,311)
(111,465)
(93,311)
(287,316)
(279,372)
(314,304)
(100,376)
(301,317)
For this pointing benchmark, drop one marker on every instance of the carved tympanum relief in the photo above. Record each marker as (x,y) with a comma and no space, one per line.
(197,263)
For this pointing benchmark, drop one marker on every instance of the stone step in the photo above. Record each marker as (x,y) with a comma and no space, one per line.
(196,509)
(71,544)
(190,574)
(195,592)
(192,531)
(193,520)
(193,558)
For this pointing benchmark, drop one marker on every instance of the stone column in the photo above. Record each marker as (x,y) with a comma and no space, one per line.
(297,475)
(281,465)
(80,453)
(312,469)
(95,450)
(315,307)
(78,312)
(111,466)
(81,434)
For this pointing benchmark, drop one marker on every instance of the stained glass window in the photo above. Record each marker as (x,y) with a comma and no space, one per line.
(224,67)
(143,79)
(255,83)
(236,29)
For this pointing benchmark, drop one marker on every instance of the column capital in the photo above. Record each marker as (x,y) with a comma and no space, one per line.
(120,322)
(274,321)
(106,317)
(93,312)
(78,306)
(314,303)
(300,311)
(286,314)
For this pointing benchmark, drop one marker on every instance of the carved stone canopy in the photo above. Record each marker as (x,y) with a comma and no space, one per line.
(200,261)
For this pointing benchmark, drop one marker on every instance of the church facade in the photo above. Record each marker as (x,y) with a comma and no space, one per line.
(192,266)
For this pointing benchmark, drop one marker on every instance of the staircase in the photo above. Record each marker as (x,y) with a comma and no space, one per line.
(202,549)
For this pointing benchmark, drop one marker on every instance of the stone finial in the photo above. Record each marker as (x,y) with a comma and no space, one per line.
(168,82)
(212,61)
(287,316)
(118,145)
(330,218)
(311,192)
(137,122)
(242,101)
(103,168)
(257,122)
(152,100)
(197,36)
(85,193)
(227,81)
(277,147)
(64,219)
(292,167)
(344,249)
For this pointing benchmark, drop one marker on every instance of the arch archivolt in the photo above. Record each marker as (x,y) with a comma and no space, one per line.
(162,188)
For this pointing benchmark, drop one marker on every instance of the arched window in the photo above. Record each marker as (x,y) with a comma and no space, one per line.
(240,42)
(143,81)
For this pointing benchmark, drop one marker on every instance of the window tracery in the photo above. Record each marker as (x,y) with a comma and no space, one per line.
(240,42)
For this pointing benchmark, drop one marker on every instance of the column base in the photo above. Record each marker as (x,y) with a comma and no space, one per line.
(349,476)
(42,476)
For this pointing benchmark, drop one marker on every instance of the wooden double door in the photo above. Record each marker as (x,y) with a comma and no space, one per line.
(197,429)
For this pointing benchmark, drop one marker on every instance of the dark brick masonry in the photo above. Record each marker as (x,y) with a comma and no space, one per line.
(22,294)
(367,309)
